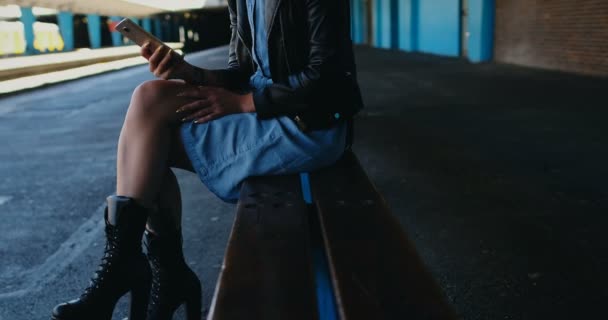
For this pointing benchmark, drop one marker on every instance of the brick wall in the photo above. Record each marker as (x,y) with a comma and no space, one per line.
(567,35)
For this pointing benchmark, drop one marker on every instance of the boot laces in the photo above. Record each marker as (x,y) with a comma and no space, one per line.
(107,261)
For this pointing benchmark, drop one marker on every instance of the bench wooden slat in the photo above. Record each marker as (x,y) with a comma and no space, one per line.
(375,269)
(267,271)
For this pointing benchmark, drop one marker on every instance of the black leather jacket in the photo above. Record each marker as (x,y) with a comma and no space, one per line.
(309,40)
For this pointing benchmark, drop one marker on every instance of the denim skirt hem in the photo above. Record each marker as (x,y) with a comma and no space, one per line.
(225,151)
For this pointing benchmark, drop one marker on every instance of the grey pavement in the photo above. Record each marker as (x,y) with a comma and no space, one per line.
(499,175)
(57,165)
(496,172)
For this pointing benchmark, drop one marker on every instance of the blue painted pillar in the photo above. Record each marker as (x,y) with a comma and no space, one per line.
(94,27)
(66,27)
(408,24)
(404,22)
(28,19)
(357,19)
(147,24)
(383,24)
(116,36)
(352,19)
(377,19)
(438,27)
(365,23)
(415,24)
(158,28)
(394,24)
(481,30)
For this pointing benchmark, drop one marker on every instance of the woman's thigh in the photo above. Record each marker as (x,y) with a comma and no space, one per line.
(178,158)
(154,103)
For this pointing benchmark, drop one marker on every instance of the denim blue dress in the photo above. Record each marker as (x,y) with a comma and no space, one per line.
(227,150)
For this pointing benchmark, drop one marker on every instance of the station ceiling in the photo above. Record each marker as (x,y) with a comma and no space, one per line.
(124,8)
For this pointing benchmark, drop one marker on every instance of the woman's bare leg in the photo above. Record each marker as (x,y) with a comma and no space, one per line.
(149,143)
(169,198)
(169,206)
(146,149)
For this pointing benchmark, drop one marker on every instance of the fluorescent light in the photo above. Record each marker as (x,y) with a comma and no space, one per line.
(10,12)
(13,11)
(39,11)
(175,5)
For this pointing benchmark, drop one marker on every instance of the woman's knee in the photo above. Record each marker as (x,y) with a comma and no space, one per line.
(154,98)
(148,94)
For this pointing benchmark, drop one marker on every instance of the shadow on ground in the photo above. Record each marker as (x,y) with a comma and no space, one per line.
(498,173)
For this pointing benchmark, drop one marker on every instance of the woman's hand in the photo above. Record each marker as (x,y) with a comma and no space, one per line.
(166,64)
(212,103)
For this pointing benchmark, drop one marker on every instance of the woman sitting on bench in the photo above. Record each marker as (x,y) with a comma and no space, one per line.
(282,106)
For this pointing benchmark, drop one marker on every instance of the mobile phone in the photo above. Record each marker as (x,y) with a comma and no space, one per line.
(136,33)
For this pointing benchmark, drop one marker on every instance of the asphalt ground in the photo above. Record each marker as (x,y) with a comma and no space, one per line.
(496,172)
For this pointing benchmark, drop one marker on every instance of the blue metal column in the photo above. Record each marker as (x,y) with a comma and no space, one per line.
(405,9)
(377,7)
(94,27)
(383,24)
(352,19)
(28,19)
(66,27)
(357,21)
(365,23)
(147,24)
(116,36)
(439,27)
(415,24)
(394,39)
(481,30)
(158,28)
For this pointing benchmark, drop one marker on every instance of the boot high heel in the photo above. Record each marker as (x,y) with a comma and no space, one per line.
(173,282)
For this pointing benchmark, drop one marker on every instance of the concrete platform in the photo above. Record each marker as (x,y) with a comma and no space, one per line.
(27,72)
(21,66)
(497,173)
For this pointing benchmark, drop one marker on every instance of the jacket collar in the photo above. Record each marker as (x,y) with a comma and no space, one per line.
(271,11)
(272,7)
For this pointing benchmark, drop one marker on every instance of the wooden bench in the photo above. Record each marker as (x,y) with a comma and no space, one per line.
(323,246)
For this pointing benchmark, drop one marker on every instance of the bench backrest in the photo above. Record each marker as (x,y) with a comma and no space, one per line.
(376,270)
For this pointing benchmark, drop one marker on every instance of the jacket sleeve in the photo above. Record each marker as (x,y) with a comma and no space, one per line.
(236,76)
(317,85)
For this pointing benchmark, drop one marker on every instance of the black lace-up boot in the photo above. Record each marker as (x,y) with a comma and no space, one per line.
(173,282)
(123,268)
